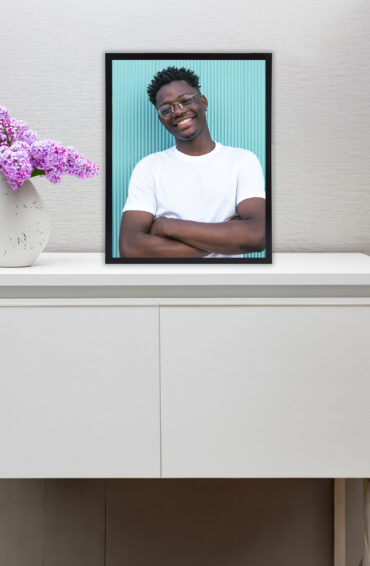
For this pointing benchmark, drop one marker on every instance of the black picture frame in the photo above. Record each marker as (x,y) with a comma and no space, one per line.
(113,58)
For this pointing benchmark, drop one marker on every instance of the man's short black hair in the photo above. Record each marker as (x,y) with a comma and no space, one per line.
(168,75)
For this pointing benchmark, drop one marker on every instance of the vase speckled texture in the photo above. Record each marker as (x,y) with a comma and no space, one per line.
(24,225)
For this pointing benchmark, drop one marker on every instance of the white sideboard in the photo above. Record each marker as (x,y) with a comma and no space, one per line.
(185,370)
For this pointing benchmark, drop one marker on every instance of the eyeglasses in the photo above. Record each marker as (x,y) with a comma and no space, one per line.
(167,109)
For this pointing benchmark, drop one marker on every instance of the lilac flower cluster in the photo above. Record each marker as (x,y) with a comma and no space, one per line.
(24,155)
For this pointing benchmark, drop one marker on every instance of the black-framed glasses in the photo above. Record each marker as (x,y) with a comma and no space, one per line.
(167,109)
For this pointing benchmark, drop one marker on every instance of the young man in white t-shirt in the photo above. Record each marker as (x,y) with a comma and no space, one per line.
(198,198)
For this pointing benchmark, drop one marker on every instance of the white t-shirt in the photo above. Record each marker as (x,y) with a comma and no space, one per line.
(204,188)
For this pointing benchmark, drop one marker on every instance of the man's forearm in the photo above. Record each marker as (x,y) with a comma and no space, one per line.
(147,246)
(232,237)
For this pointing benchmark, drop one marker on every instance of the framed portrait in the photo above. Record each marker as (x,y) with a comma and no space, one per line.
(188,147)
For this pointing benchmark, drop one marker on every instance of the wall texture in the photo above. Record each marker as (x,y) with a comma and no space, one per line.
(52,76)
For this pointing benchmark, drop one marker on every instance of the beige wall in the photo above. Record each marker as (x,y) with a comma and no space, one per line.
(166,522)
(52,75)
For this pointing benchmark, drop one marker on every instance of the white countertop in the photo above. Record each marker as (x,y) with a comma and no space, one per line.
(89,269)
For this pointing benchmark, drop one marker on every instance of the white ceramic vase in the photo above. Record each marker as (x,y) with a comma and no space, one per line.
(24,225)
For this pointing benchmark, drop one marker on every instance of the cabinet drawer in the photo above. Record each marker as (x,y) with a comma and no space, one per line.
(265,391)
(79,391)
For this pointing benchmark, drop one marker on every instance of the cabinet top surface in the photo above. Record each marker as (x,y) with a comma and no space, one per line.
(89,269)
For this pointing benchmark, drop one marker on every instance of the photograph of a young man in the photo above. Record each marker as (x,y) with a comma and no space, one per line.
(199,198)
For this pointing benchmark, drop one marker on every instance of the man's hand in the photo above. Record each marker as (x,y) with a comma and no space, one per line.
(163,227)
(136,241)
(169,237)
(243,233)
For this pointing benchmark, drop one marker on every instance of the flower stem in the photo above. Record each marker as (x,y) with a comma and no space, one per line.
(6,133)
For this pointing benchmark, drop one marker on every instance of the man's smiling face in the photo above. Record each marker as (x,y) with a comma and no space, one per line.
(184,123)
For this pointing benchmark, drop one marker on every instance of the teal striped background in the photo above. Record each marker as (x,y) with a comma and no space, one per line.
(236,92)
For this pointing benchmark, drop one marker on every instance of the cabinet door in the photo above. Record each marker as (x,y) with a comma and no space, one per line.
(79,392)
(276,391)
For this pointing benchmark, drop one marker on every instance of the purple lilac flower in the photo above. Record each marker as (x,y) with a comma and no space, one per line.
(16,129)
(4,113)
(3,137)
(57,160)
(29,136)
(20,145)
(15,165)
(23,154)
(4,123)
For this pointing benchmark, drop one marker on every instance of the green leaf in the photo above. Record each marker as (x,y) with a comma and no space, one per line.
(37,172)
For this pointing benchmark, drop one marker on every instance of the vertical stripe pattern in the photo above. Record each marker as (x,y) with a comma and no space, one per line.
(236,92)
